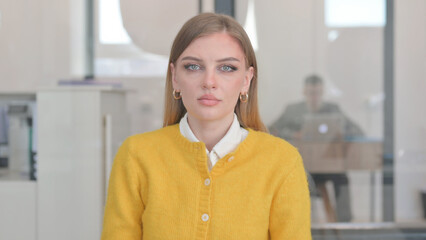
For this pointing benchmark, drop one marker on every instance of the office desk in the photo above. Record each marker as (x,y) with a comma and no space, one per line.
(340,157)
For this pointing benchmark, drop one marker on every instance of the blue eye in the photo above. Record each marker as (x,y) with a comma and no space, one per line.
(192,67)
(228,68)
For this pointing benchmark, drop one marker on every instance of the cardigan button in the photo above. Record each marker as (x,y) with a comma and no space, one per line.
(231,158)
(207,182)
(205,217)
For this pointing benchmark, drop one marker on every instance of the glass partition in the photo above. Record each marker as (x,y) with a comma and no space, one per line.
(336,121)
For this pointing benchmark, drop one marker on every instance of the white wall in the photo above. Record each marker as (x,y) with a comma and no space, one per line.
(20,45)
(410,113)
(41,41)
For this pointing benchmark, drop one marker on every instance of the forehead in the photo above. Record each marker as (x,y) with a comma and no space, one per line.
(216,45)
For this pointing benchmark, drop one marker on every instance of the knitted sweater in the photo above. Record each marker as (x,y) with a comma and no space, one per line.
(160,189)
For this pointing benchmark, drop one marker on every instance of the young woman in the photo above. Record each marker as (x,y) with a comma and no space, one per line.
(212,171)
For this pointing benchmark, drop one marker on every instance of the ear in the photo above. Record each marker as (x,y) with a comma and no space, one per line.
(247,79)
(173,72)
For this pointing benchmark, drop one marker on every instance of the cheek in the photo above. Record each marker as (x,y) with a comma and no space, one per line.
(188,86)
(184,82)
(188,92)
(236,86)
(187,99)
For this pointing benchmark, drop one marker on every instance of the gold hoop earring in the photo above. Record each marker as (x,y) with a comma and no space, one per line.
(178,96)
(244,97)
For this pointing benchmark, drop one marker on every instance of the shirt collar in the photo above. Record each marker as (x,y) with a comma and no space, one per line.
(227,144)
(185,130)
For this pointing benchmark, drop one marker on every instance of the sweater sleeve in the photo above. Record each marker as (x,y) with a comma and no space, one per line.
(290,211)
(124,206)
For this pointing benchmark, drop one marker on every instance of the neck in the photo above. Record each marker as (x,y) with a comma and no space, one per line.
(210,132)
(314,108)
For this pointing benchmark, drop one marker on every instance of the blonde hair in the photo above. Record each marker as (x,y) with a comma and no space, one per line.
(203,25)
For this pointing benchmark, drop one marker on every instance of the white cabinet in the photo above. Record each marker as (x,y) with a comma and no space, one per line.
(79,132)
(17,207)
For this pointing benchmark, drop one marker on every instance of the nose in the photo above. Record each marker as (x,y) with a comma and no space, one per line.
(210,79)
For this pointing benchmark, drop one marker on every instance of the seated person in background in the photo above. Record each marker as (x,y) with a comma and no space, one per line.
(289,126)
(290,123)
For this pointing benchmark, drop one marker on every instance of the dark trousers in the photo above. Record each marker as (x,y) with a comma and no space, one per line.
(341,188)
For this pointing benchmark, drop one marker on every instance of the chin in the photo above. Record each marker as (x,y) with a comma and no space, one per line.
(209,115)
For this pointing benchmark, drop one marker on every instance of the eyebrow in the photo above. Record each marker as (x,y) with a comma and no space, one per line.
(191,58)
(228,59)
(220,60)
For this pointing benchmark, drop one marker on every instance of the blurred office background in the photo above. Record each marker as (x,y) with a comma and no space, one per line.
(77,76)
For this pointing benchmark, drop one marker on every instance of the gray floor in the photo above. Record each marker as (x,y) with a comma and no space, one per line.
(369,235)
(385,231)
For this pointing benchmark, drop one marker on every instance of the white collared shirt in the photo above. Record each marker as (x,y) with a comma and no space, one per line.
(227,144)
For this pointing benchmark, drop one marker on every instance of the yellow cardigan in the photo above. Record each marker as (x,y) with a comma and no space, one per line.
(160,189)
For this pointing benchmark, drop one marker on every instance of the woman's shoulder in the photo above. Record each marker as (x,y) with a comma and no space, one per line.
(272,143)
(161,135)
(273,151)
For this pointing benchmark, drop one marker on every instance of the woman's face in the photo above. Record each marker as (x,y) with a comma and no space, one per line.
(210,74)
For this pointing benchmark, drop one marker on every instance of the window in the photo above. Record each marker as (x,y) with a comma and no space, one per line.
(116,54)
(111,29)
(355,13)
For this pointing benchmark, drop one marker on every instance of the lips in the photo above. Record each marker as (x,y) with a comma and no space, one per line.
(208,100)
